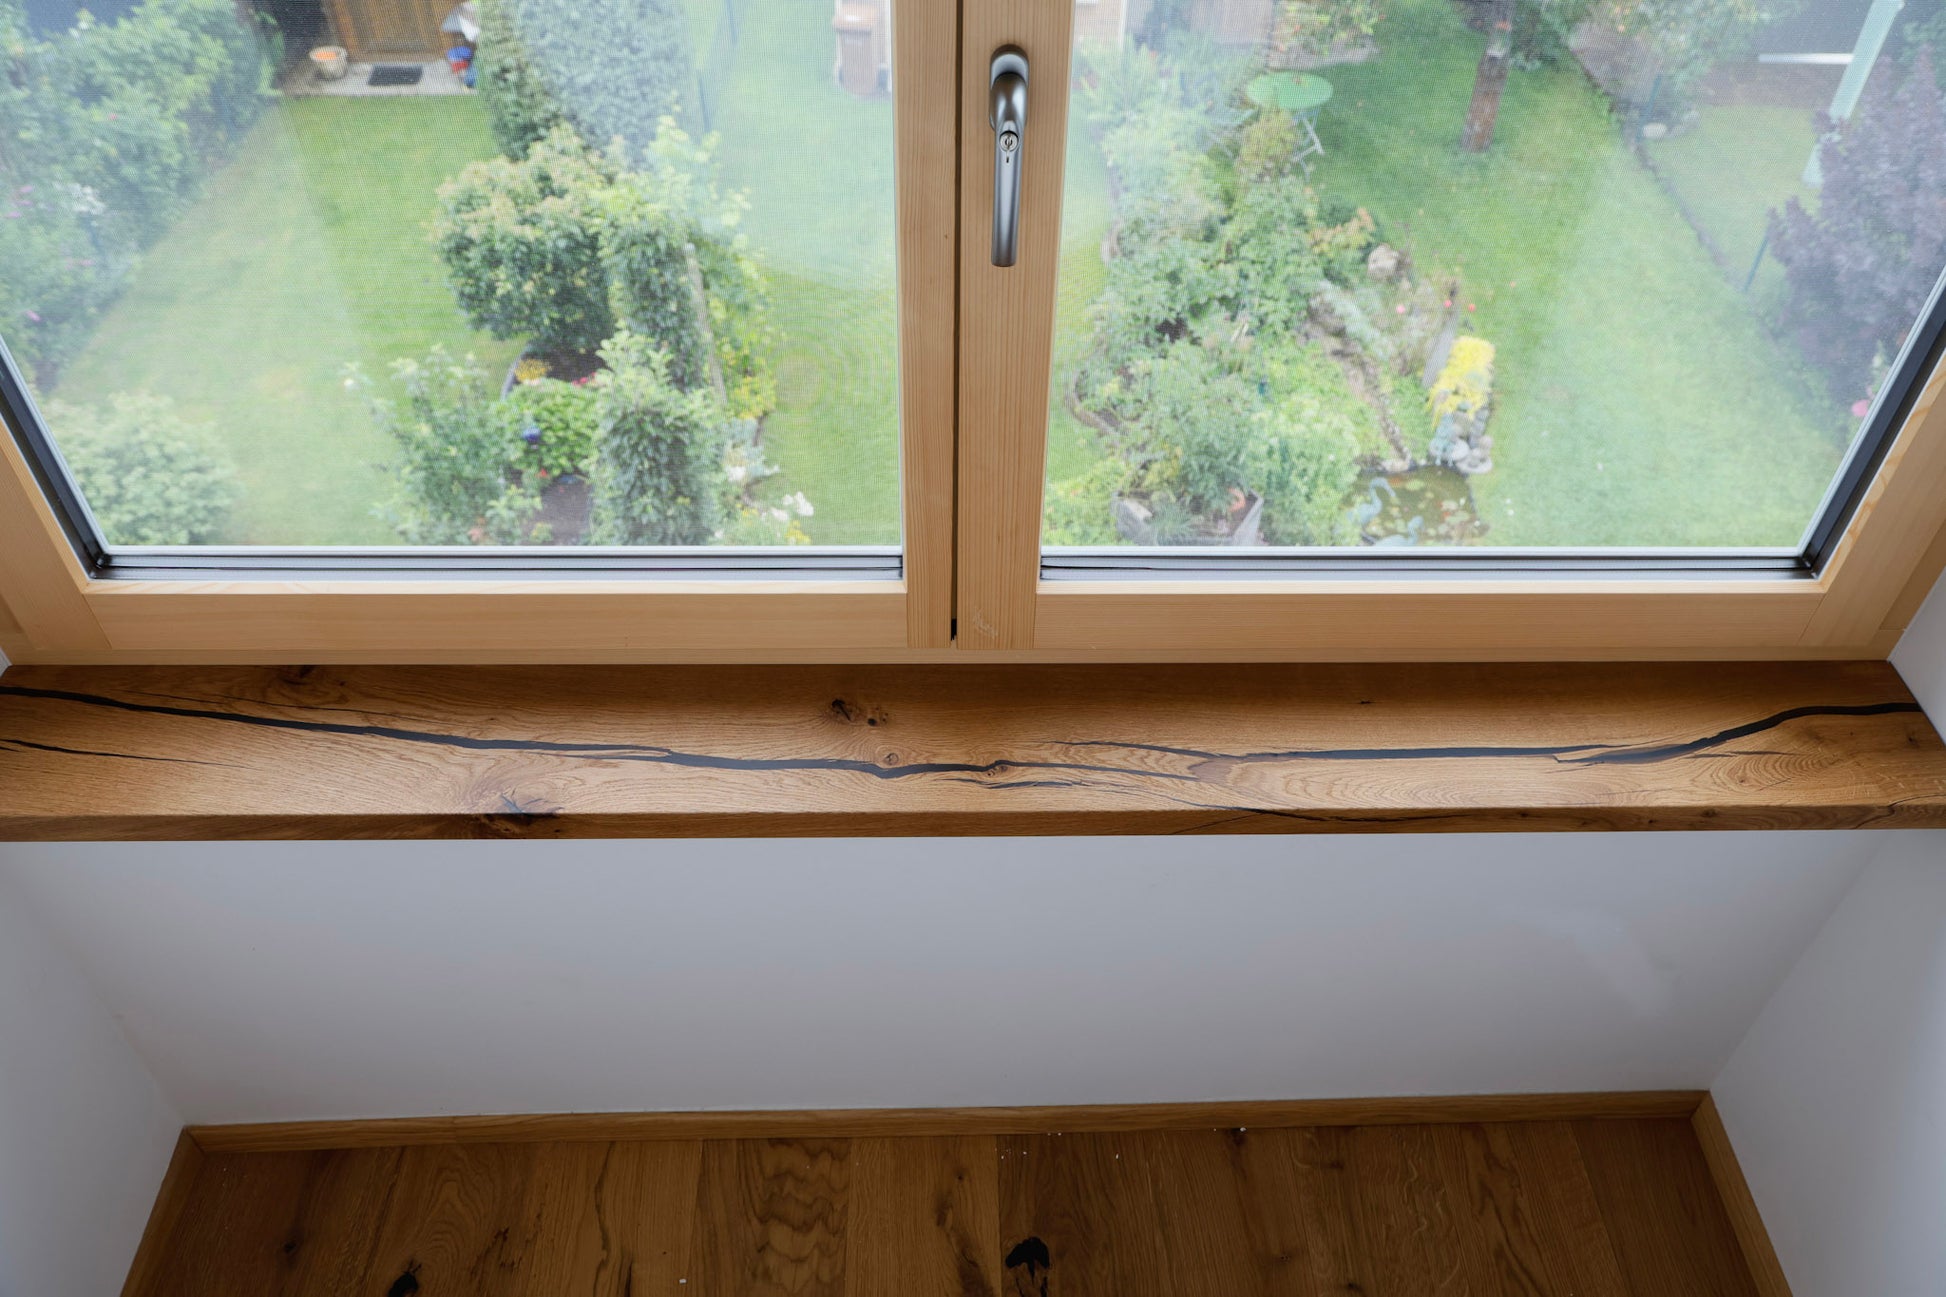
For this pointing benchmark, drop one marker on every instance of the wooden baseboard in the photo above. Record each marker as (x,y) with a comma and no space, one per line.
(1765,1269)
(170,1200)
(867,1122)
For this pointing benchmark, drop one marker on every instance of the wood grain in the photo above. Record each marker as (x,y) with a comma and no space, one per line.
(1006,319)
(38,571)
(925,87)
(1401,1211)
(160,753)
(858,1123)
(1890,541)
(1536,1208)
(1670,1231)
(171,1200)
(1734,1191)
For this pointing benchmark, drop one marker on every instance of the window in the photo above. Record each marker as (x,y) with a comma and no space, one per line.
(598,329)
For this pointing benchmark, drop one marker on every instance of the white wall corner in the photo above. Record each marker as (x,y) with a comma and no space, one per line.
(1836,1099)
(1921,655)
(85,1131)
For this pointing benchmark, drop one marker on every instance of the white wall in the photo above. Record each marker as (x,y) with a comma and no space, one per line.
(330,980)
(1836,1100)
(85,1132)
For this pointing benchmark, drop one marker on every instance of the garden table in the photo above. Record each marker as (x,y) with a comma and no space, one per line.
(1301,94)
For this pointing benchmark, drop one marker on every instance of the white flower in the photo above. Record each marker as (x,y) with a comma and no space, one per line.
(798,504)
(737,472)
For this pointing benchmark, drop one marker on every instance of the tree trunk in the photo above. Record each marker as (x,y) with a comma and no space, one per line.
(1490,79)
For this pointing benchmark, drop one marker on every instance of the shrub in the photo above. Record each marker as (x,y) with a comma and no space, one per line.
(558,424)
(459,445)
(519,106)
(109,132)
(1306,461)
(149,477)
(655,283)
(658,477)
(1858,271)
(566,245)
(522,243)
(614,68)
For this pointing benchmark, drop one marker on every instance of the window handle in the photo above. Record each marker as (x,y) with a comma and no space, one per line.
(1007,114)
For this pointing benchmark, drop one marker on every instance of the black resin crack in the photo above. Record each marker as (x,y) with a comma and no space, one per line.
(604,751)
(1576,754)
(1567,754)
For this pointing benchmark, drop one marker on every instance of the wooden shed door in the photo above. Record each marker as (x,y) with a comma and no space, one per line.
(391,29)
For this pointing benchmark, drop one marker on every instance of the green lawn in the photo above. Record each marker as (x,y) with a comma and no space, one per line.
(816,164)
(311,250)
(1638,400)
(307,252)
(1739,163)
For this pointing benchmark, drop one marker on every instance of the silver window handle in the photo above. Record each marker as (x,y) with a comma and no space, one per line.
(1007,113)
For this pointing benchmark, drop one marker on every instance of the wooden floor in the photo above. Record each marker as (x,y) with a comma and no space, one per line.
(1594,1209)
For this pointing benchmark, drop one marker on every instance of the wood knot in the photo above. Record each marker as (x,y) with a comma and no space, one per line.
(852,713)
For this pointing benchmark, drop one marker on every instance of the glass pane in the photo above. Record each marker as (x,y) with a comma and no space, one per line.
(1487,273)
(405,272)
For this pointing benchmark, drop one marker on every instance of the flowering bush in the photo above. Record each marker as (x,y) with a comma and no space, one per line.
(1465,385)
(149,477)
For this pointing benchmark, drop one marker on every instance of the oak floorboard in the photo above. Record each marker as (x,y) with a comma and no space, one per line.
(1617,1207)
(1405,1211)
(609,1219)
(924,1218)
(232,1237)
(1495,1193)
(1579,1254)
(1670,1230)
(456,1225)
(771,1218)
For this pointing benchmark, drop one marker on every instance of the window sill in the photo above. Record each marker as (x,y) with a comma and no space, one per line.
(484,752)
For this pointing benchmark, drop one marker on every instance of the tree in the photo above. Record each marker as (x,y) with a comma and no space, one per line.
(1490,79)
(519,105)
(1859,270)
(658,475)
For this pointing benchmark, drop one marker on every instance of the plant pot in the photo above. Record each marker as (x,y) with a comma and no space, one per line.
(1135,523)
(330,62)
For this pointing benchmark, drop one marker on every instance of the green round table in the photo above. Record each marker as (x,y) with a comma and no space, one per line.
(1300,94)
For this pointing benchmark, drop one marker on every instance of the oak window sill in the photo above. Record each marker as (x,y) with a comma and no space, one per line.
(448,752)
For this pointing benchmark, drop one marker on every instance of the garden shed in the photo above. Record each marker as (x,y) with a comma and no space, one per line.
(380,30)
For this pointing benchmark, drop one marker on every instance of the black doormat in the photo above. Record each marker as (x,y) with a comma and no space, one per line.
(396,74)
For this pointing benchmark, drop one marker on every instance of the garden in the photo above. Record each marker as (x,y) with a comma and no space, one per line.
(1627,389)
(371,320)
(617,297)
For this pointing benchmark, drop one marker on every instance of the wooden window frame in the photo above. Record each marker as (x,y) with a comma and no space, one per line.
(973,466)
